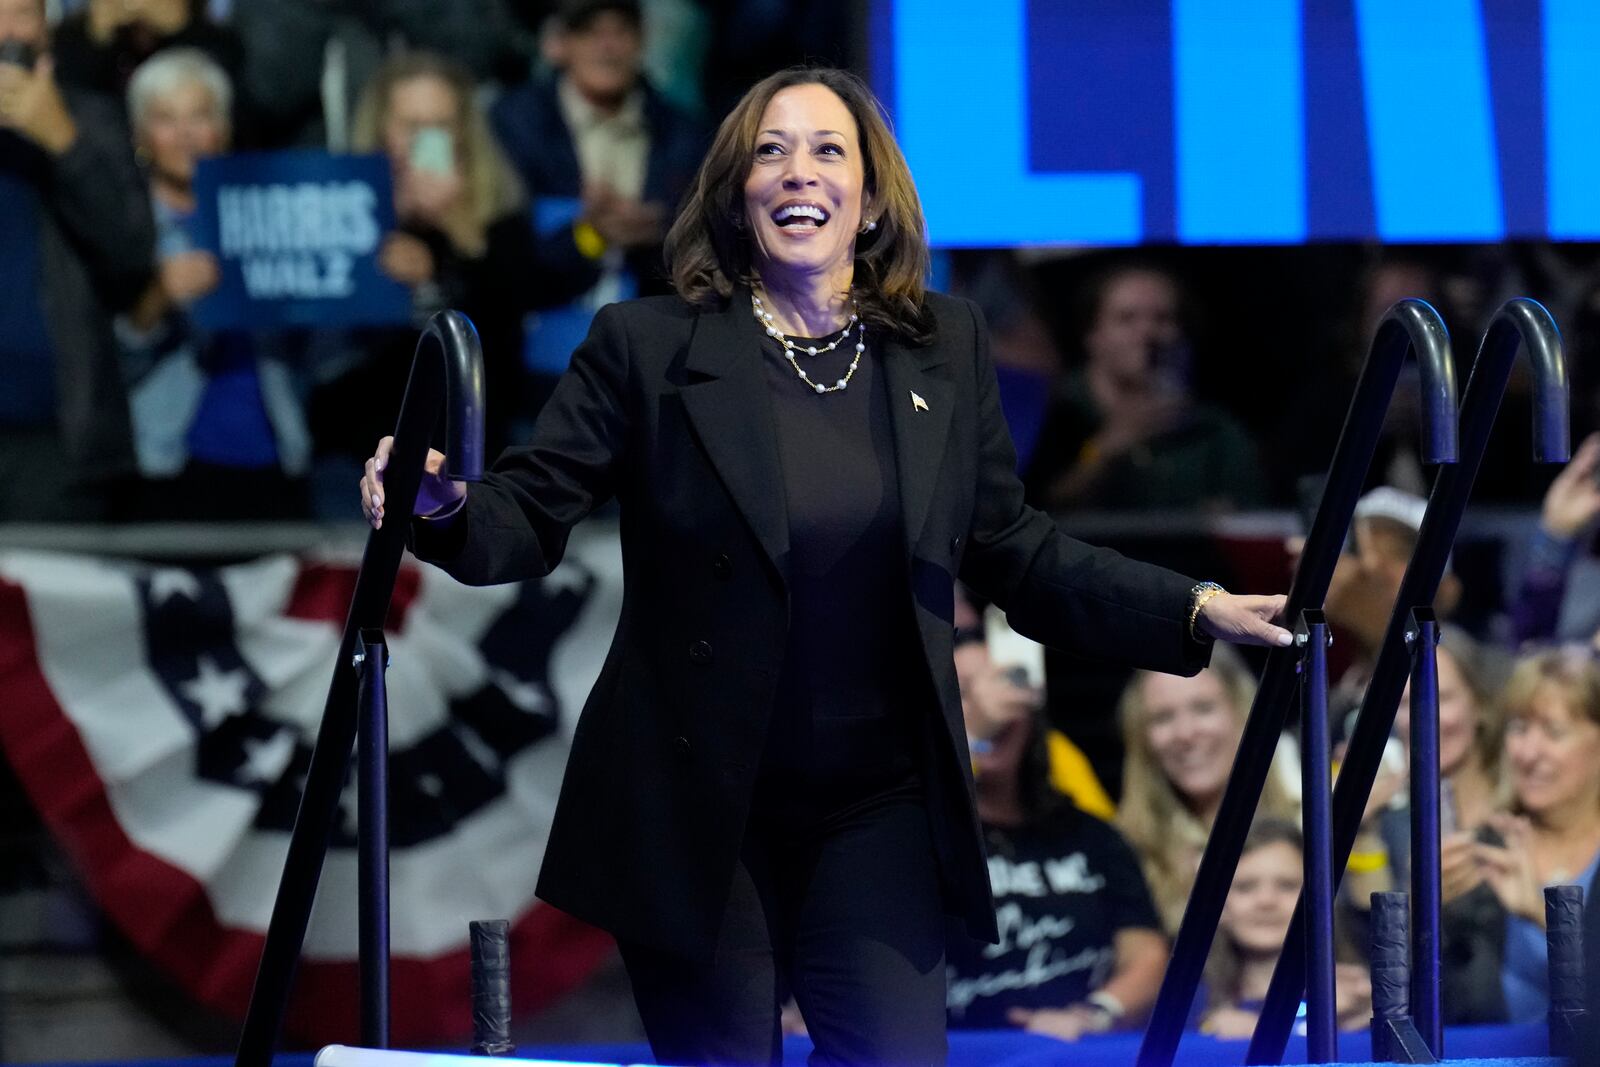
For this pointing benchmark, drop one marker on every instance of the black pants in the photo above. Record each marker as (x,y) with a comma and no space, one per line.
(847,914)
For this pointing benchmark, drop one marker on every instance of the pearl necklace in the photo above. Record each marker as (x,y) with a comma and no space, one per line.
(764,317)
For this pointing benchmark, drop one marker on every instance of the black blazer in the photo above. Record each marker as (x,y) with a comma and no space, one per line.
(668,409)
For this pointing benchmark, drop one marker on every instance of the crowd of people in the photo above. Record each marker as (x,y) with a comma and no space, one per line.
(1519,723)
(537,157)
(538,154)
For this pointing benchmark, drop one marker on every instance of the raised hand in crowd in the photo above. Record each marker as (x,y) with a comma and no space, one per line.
(31,104)
(1573,500)
(1459,870)
(187,276)
(406,259)
(162,17)
(623,222)
(1509,868)
(425,195)
(437,492)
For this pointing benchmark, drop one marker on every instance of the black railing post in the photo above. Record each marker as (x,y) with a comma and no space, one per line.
(1410,325)
(1322,1030)
(1519,324)
(1394,1037)
(1568,1019)
(372,834)
(446,378)
(1422,638)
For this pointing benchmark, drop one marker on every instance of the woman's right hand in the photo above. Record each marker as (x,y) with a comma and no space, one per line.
(435,493)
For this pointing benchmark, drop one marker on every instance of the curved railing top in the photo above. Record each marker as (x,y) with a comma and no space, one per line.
(1409,325)
(453,388)
(461,359)
(1517,324)
(1526,322)
(1425,332)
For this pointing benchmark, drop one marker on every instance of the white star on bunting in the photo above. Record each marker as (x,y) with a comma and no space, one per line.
(170,582)
(220,694)
(265,761)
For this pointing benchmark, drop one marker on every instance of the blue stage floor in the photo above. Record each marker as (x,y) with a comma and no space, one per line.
(1524,1046)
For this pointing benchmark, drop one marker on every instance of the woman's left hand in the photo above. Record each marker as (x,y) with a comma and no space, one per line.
(1245,620)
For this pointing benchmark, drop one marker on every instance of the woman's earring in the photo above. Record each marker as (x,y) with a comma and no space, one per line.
(870,226)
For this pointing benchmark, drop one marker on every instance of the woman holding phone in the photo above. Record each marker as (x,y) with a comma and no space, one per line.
(462,240)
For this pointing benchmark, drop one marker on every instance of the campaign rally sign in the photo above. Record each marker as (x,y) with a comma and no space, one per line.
(297,236)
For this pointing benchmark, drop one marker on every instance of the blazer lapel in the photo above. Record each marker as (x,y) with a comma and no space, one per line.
(919,409)
(731,410)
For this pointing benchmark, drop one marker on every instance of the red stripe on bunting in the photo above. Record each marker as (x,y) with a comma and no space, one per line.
(165,912)
(323,591)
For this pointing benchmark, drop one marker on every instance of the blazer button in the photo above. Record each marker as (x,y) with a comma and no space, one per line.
(700,652)
(680,748)
(722,566)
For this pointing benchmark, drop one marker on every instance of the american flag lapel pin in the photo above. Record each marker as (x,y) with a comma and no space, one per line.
(917,403)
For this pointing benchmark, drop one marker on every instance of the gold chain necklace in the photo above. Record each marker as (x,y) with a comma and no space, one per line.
(764,317)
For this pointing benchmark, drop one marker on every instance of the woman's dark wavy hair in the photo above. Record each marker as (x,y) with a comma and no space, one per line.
(708,249)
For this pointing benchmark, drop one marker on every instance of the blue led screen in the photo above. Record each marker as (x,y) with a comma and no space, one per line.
(1246,121)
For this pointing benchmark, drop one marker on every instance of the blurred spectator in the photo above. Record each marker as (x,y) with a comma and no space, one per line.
(219,426)
(76,232)
(1255,918)
(463,241)
(1125,431)
(305,61)
(1026,360)
(1552,747)
(605,160)
(996,692)
(99,47)
(1366,580)
(1081,950)
(1470,793)
(1470,734)
(1180,737)
(1558,597)
(1314,413)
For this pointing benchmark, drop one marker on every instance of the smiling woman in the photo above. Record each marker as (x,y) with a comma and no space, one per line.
(816,141)
(1179,740)
(770,788)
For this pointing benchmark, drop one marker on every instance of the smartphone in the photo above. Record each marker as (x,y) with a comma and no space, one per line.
(18,53)
(433,150)
(1449,822)
(1009,649)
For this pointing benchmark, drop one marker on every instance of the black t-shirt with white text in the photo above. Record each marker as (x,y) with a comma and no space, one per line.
(1063,886)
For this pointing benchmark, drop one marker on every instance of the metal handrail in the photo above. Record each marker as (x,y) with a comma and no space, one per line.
(1518,324)
(446,377)
(1410,325)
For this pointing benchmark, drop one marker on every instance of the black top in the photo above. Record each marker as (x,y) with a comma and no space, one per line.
(839,731)
(1063,886)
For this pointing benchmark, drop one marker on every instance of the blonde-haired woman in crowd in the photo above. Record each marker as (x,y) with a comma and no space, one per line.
(1552,835)
(462,239)
(1179,737)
